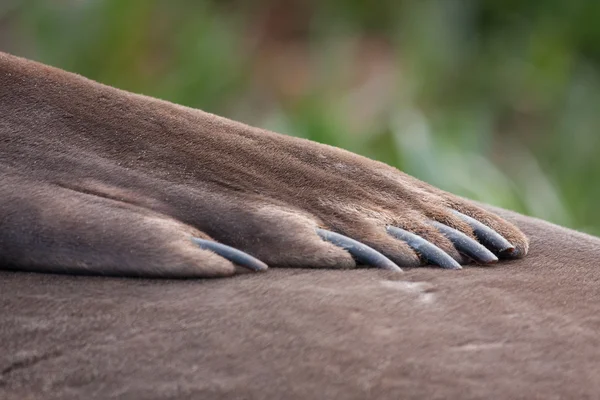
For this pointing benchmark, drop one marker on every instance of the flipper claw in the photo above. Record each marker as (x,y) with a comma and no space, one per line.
(465,245)
(361,252)
(489,237)
(232,254)
(427,250)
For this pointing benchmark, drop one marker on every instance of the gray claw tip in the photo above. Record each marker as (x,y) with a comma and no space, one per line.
(428,251)
(489,237)
(232,254)
(359,251)
(465,245)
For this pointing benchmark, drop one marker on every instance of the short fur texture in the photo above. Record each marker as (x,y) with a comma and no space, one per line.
(525,329)
(96,179)
(102,181)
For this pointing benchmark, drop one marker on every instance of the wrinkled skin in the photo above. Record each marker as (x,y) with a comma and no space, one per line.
(97,180)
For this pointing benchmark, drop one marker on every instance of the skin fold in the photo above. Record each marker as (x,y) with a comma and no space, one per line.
(96,180)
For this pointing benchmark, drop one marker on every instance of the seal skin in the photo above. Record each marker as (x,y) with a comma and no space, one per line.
(96,180)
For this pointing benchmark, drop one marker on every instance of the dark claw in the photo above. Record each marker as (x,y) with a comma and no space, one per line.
(234,255)
(489,237)
(427,250)
(361,252)
(465,245)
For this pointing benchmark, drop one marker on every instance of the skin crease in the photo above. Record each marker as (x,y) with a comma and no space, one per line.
(101,181)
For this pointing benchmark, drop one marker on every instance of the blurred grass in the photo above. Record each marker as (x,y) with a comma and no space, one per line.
(496,101)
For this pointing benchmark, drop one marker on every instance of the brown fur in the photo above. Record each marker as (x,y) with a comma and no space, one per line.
(98,180)
(95,179)
(525,329)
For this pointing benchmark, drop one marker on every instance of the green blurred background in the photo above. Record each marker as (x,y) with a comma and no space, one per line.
(494,100)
